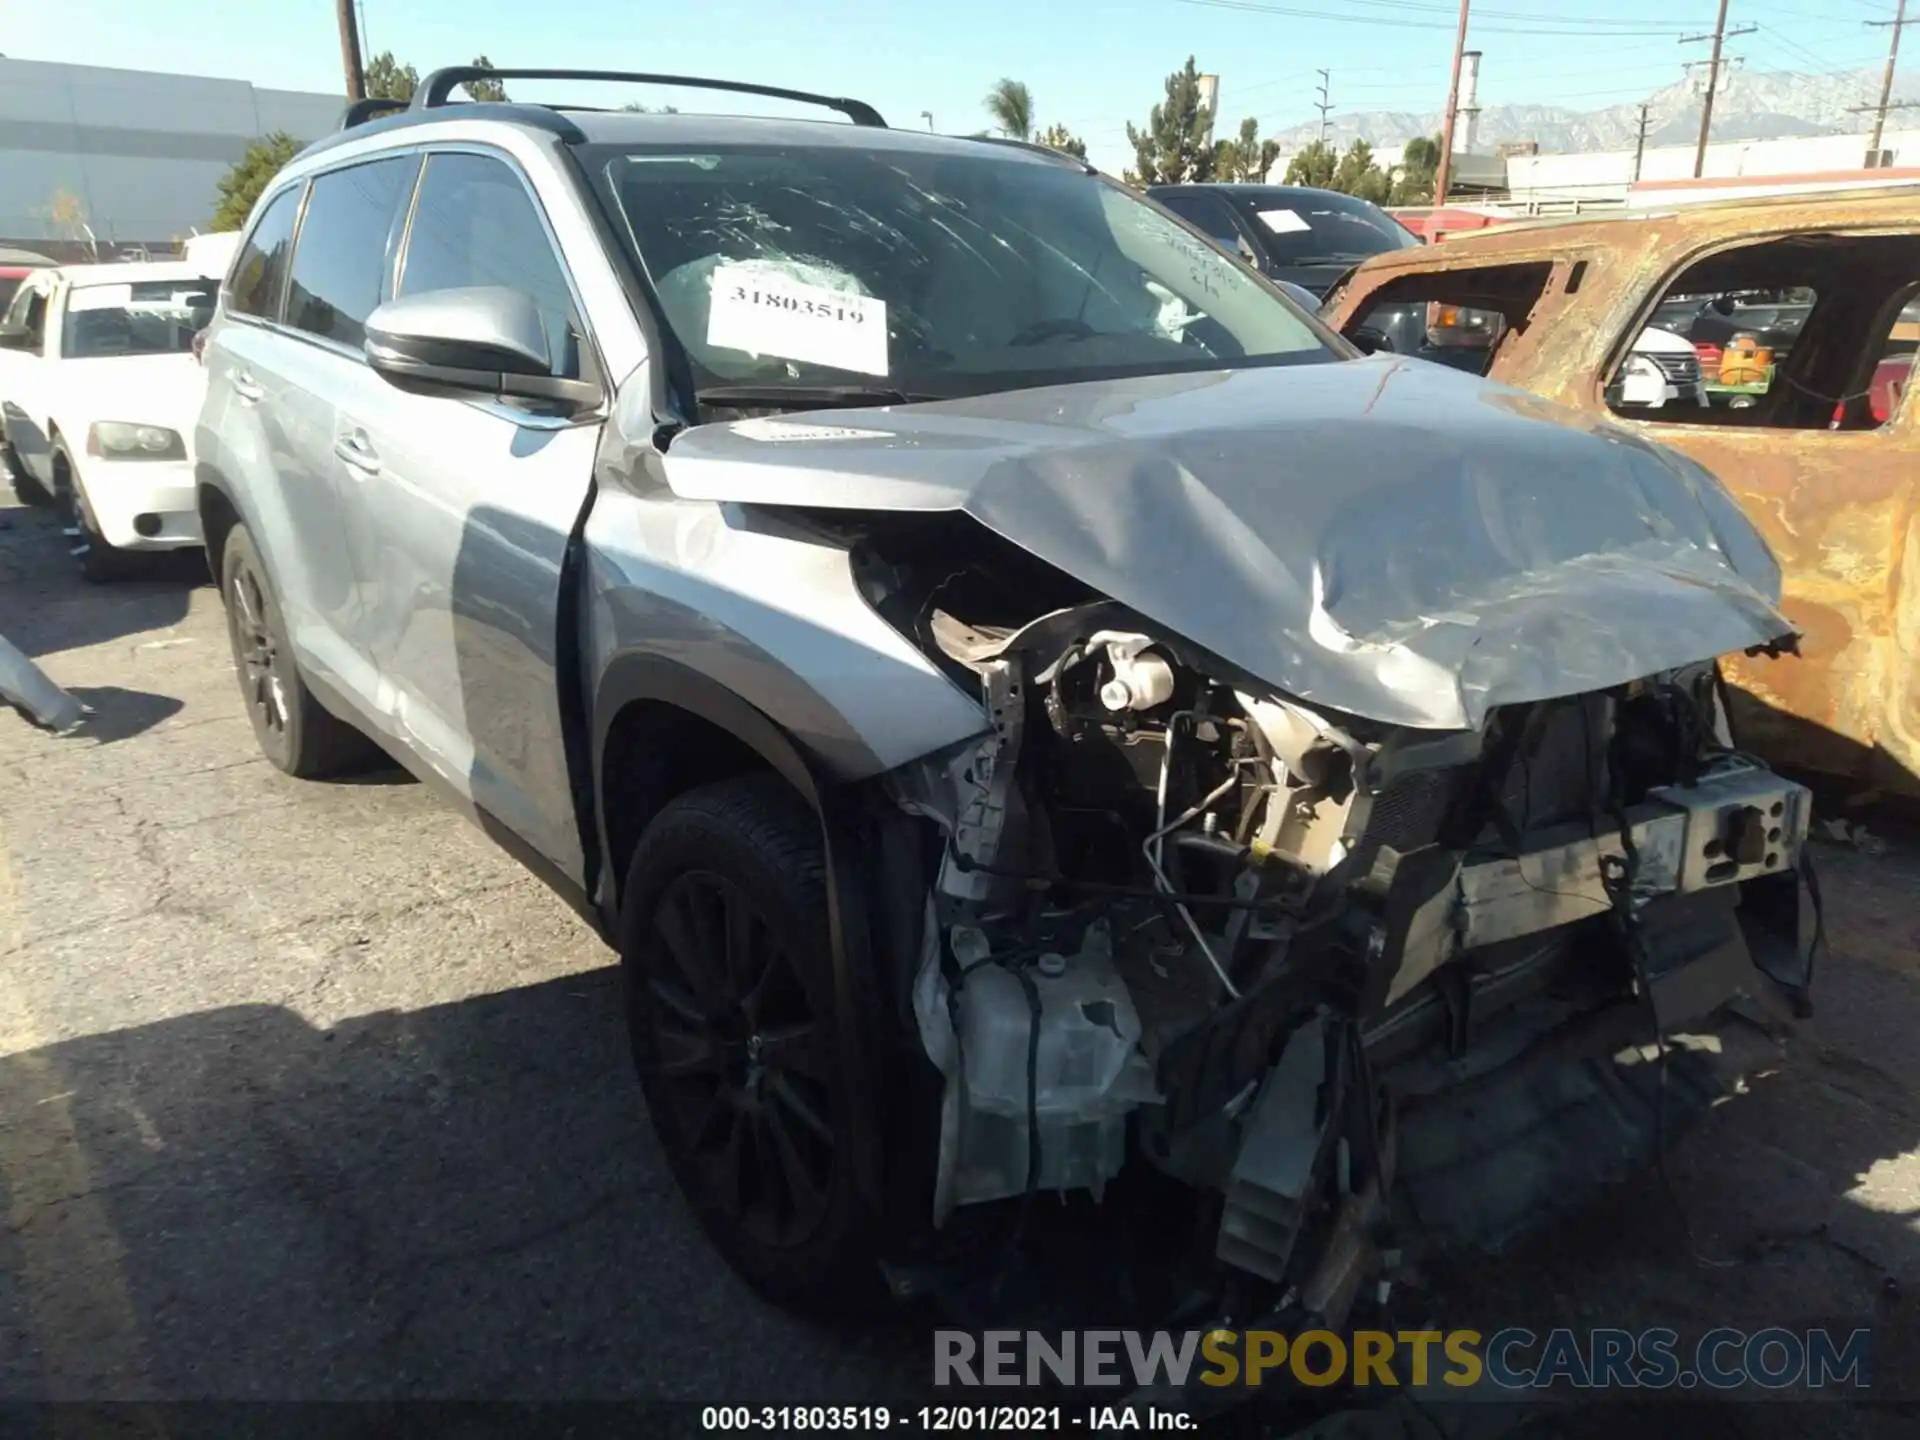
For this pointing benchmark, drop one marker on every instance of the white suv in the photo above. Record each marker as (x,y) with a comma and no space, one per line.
(98,392)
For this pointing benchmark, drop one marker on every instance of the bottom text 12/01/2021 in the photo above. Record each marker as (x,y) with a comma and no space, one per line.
(943,1419)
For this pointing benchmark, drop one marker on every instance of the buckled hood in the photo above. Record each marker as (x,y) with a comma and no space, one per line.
(1384,537)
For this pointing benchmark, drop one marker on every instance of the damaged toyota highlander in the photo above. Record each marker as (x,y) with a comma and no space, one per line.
(1036,712)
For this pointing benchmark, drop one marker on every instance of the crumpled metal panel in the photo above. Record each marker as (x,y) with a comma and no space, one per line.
(1838,508)
(1382,537)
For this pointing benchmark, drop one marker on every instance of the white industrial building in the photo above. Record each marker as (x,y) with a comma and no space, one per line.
(1603,179)
(129,157)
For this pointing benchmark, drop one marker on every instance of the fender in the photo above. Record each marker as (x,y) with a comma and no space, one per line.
(207,476)
(631,677)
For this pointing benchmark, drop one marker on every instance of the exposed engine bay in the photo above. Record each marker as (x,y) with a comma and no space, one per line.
(1183,921)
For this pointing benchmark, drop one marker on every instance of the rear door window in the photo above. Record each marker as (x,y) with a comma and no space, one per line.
(340,262)
(260,272)
(1796,332)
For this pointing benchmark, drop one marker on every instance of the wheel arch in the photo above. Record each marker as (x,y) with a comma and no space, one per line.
(645,704)
(219,513)
(661,729)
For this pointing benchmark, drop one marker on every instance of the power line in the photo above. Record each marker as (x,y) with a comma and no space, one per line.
(1897,24)
(1445,170)
(350,60)
(1378,21)
(1719,37)
(1325,105)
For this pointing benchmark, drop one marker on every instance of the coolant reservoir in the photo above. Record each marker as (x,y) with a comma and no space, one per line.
(1088,1068)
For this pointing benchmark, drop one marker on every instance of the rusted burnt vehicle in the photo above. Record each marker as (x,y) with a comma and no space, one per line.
(1803,319)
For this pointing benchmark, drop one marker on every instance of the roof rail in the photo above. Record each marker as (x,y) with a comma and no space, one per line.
(374,106)
(438,87)
(1066,157)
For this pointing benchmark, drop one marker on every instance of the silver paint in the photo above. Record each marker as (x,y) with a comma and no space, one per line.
(1381,537)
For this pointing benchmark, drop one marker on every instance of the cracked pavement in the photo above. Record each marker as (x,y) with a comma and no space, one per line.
(308,1092)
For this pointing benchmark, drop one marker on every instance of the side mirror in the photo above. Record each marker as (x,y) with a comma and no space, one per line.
(13,337)
(1370,340)
(474,340)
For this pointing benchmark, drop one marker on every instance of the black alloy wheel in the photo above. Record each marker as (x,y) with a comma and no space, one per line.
(295,731)
(731,1011)
(742,1058)
(256,652)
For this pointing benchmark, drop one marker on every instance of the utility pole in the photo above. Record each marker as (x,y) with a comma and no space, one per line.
(1326,100)
(1453,109)
(1897,24)
(1640,144)
(350,50)
(1719,36)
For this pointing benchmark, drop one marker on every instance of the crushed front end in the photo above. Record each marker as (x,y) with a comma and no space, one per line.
(1331,978)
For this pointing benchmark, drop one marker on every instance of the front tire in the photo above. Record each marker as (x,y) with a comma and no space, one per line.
(99,562)
(29,490)
(295,732)
(730,1009)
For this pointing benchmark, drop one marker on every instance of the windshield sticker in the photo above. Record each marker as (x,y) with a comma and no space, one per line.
(765,313)
(1283,222)
(775,431)
(100,297)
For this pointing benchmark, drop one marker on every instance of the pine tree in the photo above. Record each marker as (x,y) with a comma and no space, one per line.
(241,185)
(1246,157)
(388,79)
(1058,137)
(485,89)
(1177,146)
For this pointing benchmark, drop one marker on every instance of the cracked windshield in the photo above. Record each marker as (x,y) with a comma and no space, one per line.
(935,276)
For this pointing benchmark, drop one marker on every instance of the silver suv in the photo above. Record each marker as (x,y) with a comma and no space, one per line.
(1034,710)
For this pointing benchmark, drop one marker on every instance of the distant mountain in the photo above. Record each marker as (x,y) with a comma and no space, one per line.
(1750,106)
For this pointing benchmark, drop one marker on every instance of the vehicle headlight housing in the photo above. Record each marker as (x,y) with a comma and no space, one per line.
(119,440)
(1640,367)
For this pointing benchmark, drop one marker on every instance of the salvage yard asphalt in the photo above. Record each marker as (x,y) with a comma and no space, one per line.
(307,1092)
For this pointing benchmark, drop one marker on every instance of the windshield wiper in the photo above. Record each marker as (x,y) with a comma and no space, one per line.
(805,396)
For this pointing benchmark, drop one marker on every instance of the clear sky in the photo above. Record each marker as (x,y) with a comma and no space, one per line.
(1092,64)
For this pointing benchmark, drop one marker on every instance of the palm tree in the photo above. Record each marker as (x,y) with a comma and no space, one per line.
(1011,105)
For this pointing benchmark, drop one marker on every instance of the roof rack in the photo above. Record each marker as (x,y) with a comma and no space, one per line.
(1065,157)
(361,111)
(437,89)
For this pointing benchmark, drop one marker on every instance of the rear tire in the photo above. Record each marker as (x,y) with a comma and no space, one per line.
(295,732)
(730,1009)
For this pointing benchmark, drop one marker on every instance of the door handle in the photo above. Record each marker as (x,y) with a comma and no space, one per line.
(247,389)
(358,454)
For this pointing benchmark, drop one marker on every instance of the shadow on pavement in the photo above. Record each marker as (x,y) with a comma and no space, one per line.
(49,608)
(120,714)
(458,1201)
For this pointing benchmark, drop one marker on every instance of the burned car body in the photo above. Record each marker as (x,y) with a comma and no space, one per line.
(1807,436)
(1034,710)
